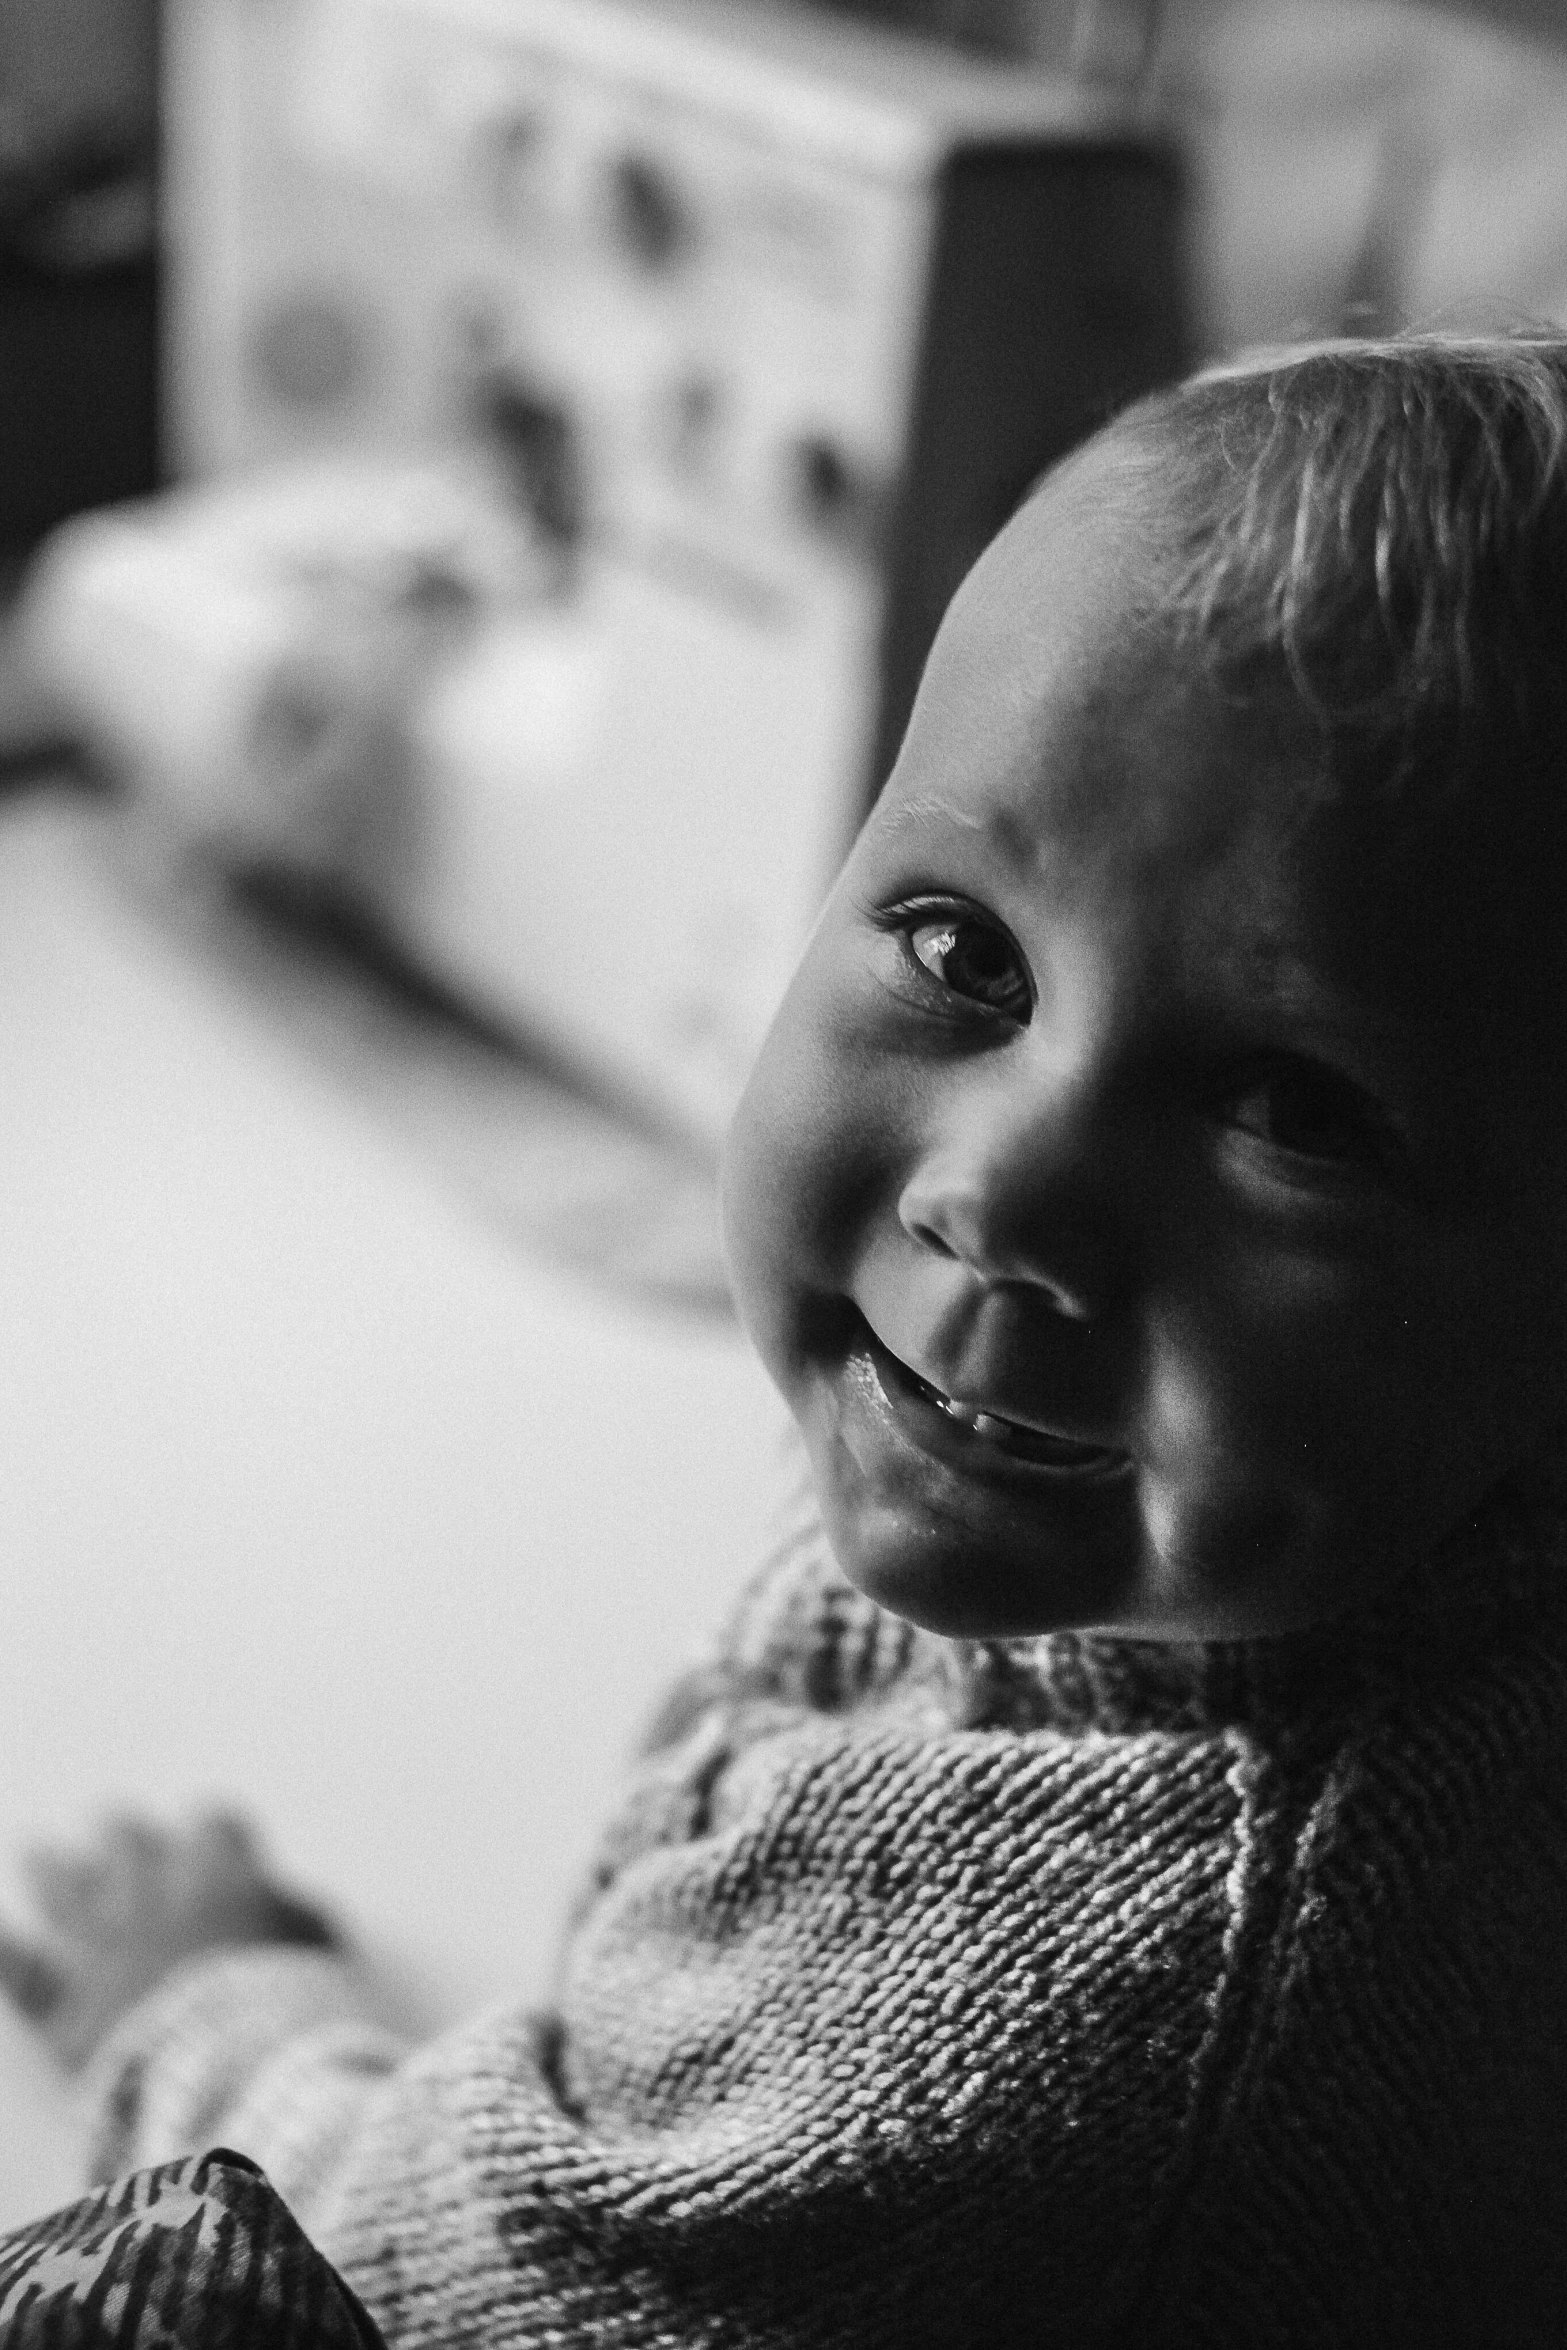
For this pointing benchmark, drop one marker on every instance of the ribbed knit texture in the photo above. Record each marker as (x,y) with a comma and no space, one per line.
(1065,1992)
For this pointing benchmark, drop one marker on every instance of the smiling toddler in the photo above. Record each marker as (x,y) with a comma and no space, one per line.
(1109,1883)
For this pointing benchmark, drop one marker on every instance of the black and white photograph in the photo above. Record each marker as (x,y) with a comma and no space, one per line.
(783,1174)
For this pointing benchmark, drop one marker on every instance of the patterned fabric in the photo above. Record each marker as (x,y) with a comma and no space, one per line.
(199,2253)
(929,1995)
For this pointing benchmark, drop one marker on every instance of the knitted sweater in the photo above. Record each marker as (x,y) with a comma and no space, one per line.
(1069,1991)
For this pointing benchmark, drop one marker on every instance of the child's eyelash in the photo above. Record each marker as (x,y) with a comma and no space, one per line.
(924,907)
(907,914)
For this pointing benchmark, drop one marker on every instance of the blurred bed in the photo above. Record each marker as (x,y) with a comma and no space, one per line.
(331,1487)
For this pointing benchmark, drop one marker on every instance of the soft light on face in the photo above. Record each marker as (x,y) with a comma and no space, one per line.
(1138,1241)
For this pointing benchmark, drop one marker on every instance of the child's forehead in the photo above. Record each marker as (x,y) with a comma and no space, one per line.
(1061,694)
(1070,609)
(1122,499)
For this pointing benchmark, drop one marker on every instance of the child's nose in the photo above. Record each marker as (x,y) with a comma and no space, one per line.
(1013,1196)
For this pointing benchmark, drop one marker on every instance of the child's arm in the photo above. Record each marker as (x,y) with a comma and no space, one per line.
(204,2002)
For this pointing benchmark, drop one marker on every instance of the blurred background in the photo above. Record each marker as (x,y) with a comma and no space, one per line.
(479,479)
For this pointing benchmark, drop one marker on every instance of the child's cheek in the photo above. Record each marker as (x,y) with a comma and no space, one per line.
(1254,1422)
(814,1145)
(782,1210)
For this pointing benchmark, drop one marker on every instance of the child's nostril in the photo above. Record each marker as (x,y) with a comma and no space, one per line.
(936,1241)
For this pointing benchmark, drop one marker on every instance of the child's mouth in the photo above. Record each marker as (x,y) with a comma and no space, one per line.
(1039,1446)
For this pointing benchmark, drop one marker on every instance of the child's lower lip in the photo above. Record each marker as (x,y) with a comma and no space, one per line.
(983,1440)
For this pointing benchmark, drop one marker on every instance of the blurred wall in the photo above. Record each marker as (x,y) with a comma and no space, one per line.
(1362,165)
(1356,165)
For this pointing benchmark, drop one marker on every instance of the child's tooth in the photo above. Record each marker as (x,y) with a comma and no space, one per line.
(969,1416)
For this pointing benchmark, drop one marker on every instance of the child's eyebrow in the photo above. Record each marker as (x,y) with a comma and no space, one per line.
(928,808)
(1273,982)
(1254,953)
(1012,839)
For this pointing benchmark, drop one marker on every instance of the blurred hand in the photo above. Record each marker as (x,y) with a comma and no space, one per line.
(119,1914)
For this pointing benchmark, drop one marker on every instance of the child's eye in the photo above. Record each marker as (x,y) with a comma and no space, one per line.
(975,959)
(1313,1113)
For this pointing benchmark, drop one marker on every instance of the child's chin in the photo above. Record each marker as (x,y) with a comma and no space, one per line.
(961,1592)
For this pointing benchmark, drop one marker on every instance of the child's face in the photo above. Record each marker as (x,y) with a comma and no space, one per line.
(1149,1196)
